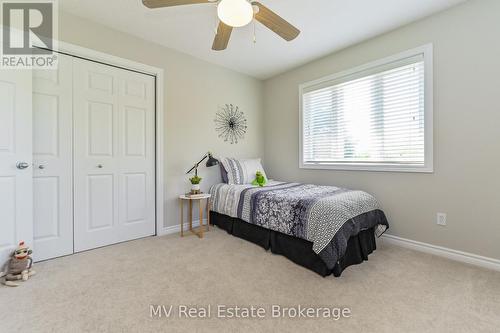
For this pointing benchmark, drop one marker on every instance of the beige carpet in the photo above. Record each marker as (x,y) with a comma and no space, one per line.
(111,290)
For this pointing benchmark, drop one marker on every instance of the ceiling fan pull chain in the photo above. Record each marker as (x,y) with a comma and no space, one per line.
(254,31)
(216,27)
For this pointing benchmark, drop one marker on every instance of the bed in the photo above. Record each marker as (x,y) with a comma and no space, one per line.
(323,228)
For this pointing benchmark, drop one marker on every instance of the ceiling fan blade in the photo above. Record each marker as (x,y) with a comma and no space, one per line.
(171,3)
(275,22)
(222,38)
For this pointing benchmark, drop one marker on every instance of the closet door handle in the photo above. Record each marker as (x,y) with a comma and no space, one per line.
(22,165)
(41,167)
(100,166)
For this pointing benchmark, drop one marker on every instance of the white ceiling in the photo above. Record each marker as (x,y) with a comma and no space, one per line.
(326,25)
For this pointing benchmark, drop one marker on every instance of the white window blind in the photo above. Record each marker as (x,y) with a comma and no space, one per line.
(374,117)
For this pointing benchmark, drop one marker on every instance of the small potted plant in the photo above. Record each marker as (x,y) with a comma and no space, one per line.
(195,184)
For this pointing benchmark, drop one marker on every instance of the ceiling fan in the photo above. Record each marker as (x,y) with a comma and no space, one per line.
(235,14)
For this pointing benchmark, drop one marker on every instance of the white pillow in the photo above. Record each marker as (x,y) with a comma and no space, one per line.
(242,171)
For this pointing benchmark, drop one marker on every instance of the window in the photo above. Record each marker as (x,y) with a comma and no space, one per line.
(376,117)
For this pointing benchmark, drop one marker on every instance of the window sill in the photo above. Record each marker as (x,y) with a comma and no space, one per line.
(365,167)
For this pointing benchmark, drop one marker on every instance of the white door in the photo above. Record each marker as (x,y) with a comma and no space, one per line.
(52,160)
(15,161)
(114,187)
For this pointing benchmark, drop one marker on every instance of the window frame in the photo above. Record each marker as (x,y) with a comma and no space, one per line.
(428,167)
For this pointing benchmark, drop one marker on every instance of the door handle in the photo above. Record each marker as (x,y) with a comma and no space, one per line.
(100,166)
(41,167)
(22,165)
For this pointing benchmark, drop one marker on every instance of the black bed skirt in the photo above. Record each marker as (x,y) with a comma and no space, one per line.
(298,250)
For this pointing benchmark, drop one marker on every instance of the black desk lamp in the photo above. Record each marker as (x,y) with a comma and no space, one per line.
(210,163)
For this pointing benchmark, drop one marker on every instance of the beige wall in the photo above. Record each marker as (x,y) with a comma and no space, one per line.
(466,181)
(194,90)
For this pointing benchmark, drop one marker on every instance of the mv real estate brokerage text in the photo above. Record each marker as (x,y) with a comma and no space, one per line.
(246,312)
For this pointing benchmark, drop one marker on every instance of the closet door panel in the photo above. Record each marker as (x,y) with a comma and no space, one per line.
(114,155)
(137,154)
(100,129)
(101,202)
(52,161)
(96,113)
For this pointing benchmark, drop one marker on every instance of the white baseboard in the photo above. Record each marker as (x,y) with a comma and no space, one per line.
(177,228)
(440,251)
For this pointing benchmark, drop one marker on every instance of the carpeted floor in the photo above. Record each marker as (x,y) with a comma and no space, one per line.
(111,290)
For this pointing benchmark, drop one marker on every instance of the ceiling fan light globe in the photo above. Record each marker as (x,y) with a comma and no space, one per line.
(235,13)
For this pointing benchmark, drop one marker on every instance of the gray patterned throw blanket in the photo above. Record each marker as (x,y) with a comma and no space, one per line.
(311,212)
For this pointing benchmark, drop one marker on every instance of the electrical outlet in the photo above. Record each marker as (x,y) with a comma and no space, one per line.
(441,219)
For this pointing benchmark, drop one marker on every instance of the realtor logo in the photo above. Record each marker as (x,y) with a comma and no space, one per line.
(29,34)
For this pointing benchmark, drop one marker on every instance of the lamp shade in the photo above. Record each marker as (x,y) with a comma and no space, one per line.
(211,161)
(235,13)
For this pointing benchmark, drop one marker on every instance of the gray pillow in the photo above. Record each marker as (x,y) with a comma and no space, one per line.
(242,171)
(223,173)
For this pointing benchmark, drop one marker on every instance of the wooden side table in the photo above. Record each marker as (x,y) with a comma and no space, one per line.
(198,198)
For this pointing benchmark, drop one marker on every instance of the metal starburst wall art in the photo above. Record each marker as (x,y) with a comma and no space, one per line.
(231,123)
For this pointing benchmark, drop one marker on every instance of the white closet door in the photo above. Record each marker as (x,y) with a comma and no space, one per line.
(16,199)
(52,161)
(114,196)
